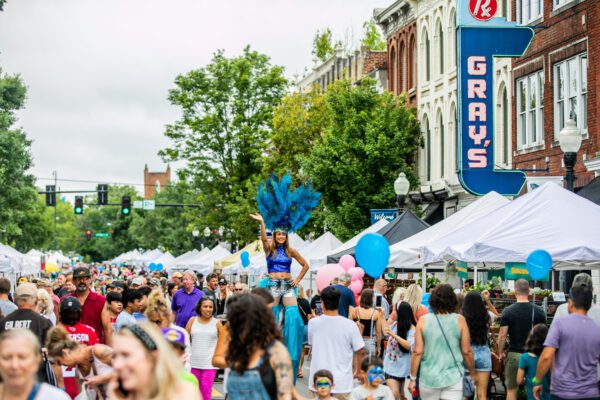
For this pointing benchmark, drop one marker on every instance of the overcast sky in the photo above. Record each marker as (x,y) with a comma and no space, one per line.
(98,72)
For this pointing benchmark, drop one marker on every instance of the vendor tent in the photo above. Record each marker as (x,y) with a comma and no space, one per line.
(206,263)
(549,218)
(402,227)
(253,248)
(166,260)
(350,244)
(315,253)
(591,191)
(407,253)
(149,256)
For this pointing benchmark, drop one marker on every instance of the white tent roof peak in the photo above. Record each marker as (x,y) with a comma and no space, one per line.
(549,218)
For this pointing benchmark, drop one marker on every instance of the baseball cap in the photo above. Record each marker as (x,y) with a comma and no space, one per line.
(26,290)
(70,304)
(43,283)
(81,272)
(222,281)
(116,284)
(139,281)
(174,336)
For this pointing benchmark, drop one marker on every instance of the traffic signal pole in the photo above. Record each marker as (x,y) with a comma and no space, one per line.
(55,183)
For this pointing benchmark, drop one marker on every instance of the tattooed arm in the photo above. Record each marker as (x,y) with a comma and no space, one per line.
(282,366)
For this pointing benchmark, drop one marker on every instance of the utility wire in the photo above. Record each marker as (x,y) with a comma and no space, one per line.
(89,181)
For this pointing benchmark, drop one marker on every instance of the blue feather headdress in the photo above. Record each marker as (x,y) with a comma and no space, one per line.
(282,208)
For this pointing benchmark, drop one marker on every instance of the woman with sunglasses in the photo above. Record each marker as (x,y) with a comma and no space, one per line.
(159,313)
(204,333)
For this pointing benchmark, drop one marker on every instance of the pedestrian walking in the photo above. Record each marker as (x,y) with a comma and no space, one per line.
(261,367)
(372,377)
(306,314)
(413,296)
(347,299)
(516,322)
(92,363)
(204,334)
(380,289)
(442,345)
(131,304)
(337,345)
(6,306)
(572,350)
(478,321)
(114,302)
(93,305)
(370,322)
(185,299)
(323,382)
(396,363)
(534,345)
(20,358)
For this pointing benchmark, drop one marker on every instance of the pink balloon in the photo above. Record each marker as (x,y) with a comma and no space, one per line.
(356,286)
(347,262)
(326,274)
(361,272)
(355,273)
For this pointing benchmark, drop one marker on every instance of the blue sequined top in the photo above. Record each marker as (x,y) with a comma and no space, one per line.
(279,263)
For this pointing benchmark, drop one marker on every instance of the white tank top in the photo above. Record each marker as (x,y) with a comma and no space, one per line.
(204,342)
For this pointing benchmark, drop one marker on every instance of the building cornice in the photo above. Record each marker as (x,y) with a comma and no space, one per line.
(394,18)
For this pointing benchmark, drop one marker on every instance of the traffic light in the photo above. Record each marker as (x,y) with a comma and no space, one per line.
(126,205)
(78,205)
(51,195)
(102,194)
(88,234)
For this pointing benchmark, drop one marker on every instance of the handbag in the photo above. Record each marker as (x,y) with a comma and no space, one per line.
(86,394)
(468,385)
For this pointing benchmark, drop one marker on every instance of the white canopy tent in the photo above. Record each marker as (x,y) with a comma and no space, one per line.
(316,252)
(407,253)
(549,218)
(149,256)
(205,264)
(166,260)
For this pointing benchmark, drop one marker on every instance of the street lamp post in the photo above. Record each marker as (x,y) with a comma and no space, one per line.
(195,234)
(569,139)
(401,187)
(206,233)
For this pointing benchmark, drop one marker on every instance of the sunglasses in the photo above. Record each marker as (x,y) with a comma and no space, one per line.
(322,384)
(238,290)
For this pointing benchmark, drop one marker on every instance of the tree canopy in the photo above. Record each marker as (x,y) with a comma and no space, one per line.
(372,38)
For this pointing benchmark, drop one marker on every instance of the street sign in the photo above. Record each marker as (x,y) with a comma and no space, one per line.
(379,214)
(101,234)
(483,10)
(138,204)
(149,204)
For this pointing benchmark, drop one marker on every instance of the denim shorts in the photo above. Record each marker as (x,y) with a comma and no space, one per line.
(280,288)
(483,357)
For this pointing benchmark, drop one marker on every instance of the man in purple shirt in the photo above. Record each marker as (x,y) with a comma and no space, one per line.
(185,299)
(573,347)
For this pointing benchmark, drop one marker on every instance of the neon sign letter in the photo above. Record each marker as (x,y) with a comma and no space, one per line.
(478,44)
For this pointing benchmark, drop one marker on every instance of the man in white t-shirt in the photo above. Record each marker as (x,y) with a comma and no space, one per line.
(337,345)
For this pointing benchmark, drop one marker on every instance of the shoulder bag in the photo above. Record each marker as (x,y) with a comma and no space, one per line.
(468,385)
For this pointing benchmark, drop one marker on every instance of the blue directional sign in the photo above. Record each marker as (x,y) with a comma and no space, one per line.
(478,43)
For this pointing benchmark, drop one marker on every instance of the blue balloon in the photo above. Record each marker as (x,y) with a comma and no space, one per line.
(539,263)
(152,266)
(100,268)
(373,254)
(159,267)
(245,257)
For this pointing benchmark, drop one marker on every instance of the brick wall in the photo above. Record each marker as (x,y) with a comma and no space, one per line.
(150,179)
(374,60)
(564,33)
(400,68)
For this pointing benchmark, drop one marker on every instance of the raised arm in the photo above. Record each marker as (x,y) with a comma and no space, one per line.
(263,231)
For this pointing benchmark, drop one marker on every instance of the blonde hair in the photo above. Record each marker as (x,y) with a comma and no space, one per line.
(413,297)
(301,294)
(167,366)
(22,333)
(59,340)
(399,294)
(157,304)
(44,303)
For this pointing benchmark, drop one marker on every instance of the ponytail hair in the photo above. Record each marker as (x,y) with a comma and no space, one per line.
(59,340)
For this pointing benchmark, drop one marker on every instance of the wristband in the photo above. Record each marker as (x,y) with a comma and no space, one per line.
(413,378)
(535,381)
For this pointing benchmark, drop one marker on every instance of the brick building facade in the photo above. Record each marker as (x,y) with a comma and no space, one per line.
(154,181)
(555,80)
(399,26)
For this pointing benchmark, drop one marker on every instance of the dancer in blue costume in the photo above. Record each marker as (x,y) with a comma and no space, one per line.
(285,211)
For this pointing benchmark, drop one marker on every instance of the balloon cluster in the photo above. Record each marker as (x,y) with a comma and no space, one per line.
(331,271)
(155,267)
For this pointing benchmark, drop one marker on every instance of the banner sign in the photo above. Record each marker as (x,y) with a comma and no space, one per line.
(514,271)
(462,271)
(379,214)
(480,38)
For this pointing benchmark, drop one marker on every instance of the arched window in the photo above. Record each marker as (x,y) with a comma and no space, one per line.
(402,69)
(392,69)
(427,56)
(157,186)
(452,39)
(427,149)
(442,144)
(440,43)
(503,127)
(413,69)
(452,135)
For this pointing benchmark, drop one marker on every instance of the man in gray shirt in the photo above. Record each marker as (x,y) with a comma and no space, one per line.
(6,306)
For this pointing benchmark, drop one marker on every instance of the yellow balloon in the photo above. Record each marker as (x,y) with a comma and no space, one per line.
(51,267)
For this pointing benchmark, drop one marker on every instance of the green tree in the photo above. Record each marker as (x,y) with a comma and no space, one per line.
(372,37)
(298,122)
(227,114)
(18,195)
(323,45)
(370,139)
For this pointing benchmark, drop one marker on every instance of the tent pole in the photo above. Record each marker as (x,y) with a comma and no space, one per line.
(424,279)
(475,275)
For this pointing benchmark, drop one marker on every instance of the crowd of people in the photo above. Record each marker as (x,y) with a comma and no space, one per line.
(135,335)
